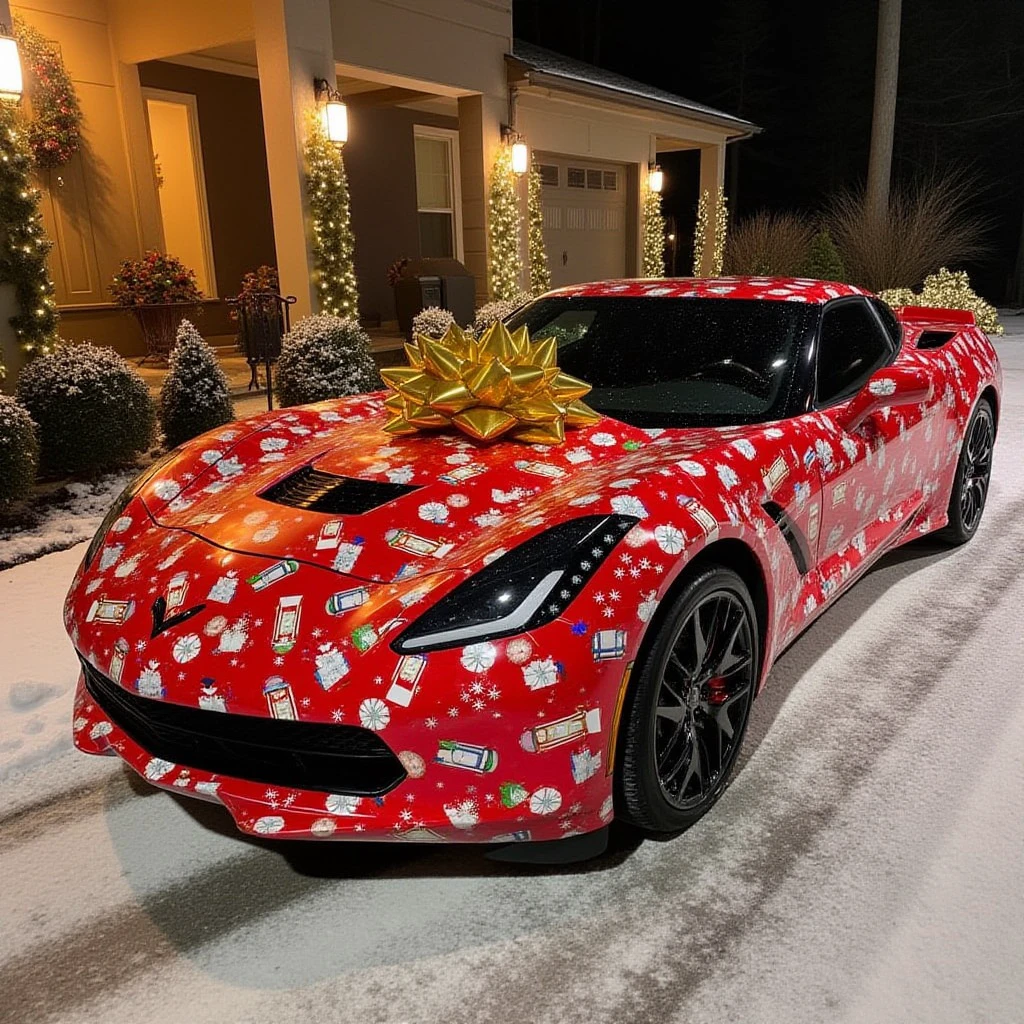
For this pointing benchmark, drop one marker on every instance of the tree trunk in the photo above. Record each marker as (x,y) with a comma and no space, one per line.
(887,64)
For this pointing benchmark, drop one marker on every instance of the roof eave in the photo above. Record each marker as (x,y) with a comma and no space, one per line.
(735,127)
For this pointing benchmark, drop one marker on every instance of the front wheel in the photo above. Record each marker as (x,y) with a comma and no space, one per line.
(690,705)
(973,472)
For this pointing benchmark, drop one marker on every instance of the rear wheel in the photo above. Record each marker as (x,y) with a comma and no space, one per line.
(973,472)
(691,703)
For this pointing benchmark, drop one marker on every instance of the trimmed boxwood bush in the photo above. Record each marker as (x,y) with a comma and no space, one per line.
(432,321)
(93,410)
(19,451)
(325,357)
(500,309)
(195,396)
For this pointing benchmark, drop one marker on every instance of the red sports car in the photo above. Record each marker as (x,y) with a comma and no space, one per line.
(338,633)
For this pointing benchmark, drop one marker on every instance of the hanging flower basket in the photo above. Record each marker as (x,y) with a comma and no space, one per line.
(159,322)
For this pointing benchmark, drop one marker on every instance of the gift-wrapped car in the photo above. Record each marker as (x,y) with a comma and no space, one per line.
(342,631)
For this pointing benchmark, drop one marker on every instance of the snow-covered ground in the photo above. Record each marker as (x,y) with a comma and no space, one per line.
(865,865)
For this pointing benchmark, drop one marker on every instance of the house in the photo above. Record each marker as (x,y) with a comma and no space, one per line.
(194,115)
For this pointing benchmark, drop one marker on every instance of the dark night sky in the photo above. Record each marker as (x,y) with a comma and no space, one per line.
(804,71)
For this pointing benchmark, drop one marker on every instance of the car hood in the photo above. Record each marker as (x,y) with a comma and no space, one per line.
(392,508)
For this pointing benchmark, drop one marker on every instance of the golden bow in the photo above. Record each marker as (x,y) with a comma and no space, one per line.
(500,383)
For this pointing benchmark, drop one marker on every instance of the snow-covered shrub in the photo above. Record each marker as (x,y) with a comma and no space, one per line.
(19,451)
(93,409)
(432,321)
(948,289)
(498,310)
(195,396)
(325,357)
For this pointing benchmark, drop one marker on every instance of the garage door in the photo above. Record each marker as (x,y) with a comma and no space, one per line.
(584,205)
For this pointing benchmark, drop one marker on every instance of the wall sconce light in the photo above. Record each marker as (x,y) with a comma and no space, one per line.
(333,112)
(655,178)
(11,84)
(520,151)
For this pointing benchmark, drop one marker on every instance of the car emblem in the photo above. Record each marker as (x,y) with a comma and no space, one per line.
(160,624)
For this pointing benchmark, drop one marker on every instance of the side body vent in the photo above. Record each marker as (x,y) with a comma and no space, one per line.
(934,339)
(793,535)
(314,491)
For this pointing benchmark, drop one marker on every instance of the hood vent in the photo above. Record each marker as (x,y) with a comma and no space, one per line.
(314,491)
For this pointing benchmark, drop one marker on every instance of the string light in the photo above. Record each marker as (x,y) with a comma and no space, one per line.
(540,273)
(654,234)
(948,289)
(23,264)
(504,227)
(333,241)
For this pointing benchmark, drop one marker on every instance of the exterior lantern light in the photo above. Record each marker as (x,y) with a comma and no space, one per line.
(333,112)
(655,178)
(520,157)
(520,153)
(11,85)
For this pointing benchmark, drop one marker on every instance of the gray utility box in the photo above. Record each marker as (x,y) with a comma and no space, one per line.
(434,282)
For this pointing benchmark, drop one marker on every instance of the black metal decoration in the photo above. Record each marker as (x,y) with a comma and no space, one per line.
(263,320)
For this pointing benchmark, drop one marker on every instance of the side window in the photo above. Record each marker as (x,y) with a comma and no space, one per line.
(852,346)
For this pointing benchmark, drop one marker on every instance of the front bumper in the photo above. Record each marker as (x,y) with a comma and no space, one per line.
(423,807)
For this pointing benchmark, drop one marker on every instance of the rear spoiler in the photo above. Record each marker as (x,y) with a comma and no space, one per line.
(932,316)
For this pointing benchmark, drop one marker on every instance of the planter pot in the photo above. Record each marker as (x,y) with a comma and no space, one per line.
(159,324)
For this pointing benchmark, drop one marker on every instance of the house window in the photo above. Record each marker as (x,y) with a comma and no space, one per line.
(438,201)
(549,175)
(577,177)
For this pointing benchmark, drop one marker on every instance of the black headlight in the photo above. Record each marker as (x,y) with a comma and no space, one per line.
(525,588)
(115,510)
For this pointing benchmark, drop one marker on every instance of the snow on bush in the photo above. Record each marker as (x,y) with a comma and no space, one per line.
(19,451)
(948,289)
(498,310)
(325,357)
(432,321)
(195,396)
(93,409)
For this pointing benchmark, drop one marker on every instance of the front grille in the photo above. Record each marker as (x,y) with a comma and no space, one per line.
(306,755)
(315,491)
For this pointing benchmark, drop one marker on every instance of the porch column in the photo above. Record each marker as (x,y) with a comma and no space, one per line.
(712,177)
(479,137)
(293,46)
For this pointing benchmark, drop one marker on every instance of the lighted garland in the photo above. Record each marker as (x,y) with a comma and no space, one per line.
(700,233)
(23,242)
(721,227)
(540,273)
(55,130)
(333,243)
(654,235)
(504,227)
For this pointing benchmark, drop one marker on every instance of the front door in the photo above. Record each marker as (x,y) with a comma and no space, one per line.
(584,208)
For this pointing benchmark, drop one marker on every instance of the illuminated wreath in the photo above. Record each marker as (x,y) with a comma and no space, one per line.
(55,129)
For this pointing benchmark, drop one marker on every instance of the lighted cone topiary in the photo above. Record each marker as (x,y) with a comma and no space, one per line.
(195,396)
(500,384)
(19,451)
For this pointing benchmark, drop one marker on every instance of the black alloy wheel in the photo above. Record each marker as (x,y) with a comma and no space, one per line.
(691,703)
(973,473)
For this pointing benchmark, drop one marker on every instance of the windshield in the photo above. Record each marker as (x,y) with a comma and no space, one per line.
(671,362)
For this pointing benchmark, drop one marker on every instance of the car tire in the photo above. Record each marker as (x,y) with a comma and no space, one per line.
(973,473)
(688,703)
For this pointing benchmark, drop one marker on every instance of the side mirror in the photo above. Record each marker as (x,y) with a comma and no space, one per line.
(890,387)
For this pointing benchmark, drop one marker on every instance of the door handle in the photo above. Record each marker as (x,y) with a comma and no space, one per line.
(565,257)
